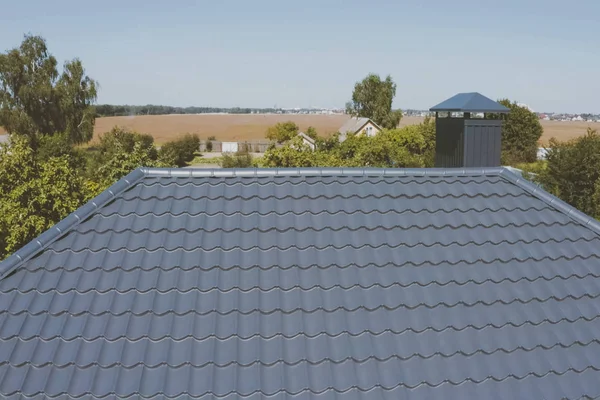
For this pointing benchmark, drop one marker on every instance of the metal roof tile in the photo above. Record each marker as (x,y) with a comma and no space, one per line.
(346,284)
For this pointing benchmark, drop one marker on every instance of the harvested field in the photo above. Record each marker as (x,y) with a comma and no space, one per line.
(241,127)
(234,127)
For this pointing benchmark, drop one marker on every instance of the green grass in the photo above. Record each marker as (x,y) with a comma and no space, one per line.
(202,160)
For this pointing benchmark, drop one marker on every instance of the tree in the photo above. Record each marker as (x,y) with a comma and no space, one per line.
(411,146)
(282,131)
(521,131)
(312,132)
(35,194)
(181,151)
(36,100)
(119,152)
(372,98)
(573,171)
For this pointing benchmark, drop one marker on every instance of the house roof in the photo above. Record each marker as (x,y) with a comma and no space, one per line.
(355,124)
(306,137)
(342,283)
(470,102)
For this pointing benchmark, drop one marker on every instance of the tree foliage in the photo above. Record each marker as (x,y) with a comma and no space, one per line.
(372,98)
(119,152)
(521,131)
(411,146)
(181,151)
(573,171)
(282,132)
(35,194)
(240,159)
(36,100)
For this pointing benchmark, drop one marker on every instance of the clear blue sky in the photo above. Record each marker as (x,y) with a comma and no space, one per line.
(310,53)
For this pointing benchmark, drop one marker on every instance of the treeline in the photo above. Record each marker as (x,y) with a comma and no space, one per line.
(108,110)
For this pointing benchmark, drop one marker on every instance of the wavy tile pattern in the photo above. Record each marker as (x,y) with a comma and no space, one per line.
(328,286)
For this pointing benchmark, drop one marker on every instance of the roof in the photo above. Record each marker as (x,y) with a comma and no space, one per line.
(341,283)
(355,124)
(306,137)
(470,102)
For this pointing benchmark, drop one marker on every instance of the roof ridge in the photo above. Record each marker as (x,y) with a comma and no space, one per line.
(65,225)
(315,171)
(538,192)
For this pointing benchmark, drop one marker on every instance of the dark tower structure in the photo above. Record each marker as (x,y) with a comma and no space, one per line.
(468,131)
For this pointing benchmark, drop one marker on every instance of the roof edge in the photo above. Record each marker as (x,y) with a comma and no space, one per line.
(553,201)
(82,213)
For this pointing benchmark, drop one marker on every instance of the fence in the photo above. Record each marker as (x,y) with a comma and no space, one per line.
(252,146)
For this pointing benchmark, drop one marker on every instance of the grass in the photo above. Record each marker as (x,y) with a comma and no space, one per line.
(202,160)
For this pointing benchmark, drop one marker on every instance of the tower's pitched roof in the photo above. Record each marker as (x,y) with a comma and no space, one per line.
(470,102)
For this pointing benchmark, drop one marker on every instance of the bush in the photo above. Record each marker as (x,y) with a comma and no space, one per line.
(209,145)
(212,138)
(240,159)
(572,172)
(181,151)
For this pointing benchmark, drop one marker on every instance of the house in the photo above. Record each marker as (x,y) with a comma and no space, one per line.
(358,126)
(307,140)
(336,283)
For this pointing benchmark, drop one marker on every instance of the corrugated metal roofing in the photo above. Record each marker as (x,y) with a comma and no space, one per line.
(332,284)
(470,102)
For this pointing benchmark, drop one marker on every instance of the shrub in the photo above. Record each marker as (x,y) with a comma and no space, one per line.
(240,159)
(209,146)
(181,151)
(572,172)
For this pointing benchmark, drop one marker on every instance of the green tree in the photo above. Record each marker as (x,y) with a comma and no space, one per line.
(573,171)
(119,152)
(35,194)
(181,151)
(521,131)
(410,146)
(312,132)
(282,131)
(372,98)
(36,100)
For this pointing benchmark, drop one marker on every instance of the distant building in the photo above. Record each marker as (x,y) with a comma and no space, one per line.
(307,140)
(358,126)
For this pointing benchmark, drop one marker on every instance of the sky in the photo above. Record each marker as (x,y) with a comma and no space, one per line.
(310,53)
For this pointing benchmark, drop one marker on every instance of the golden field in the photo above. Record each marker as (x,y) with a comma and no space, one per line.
(241,127)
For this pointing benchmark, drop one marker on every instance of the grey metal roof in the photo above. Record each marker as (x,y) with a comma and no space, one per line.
(330,283)
(470,102)
(355,124)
